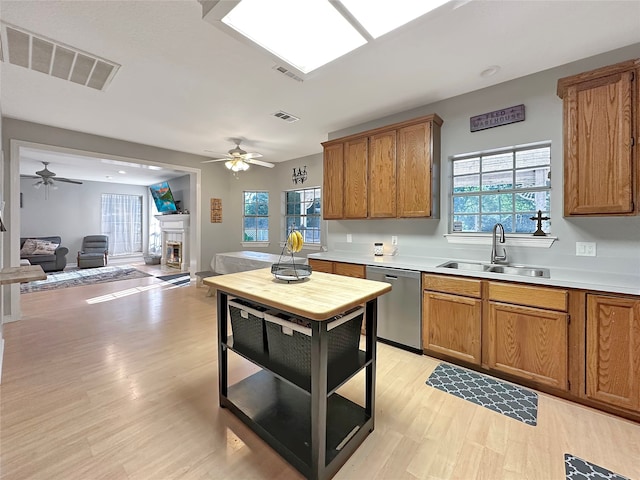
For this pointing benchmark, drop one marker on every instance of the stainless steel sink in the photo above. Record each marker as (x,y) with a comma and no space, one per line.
(494,268)
(476,267)
(519,270)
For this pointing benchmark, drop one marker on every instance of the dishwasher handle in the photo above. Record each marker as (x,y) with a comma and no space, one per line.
(391,277)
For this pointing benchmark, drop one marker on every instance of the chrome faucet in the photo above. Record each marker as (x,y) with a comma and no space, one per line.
(495,258)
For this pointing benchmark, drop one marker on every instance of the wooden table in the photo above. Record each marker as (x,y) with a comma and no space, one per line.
(303,419)
(21,274)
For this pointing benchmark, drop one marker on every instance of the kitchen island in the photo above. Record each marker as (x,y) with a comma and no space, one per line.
(301,416)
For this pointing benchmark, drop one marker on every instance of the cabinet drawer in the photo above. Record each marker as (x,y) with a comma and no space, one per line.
(541,297)
(349,270)
(467,287)
(321,265)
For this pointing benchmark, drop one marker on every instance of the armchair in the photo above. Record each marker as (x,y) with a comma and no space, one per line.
(95,249)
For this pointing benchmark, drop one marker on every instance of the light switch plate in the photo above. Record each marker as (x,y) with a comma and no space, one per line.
(349,238)
(394,240)
(586,249)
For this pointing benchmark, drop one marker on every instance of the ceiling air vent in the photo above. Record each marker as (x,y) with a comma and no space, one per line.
(287,117)
(38,53)
(287,72)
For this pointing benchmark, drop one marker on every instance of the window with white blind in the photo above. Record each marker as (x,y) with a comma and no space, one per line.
(505,186)
(122,223)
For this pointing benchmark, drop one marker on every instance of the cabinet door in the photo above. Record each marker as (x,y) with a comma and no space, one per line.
(529,343)
(355,178)
(451,325)
(414,164)
(598,146)
(349,269)
(382,175)
(613,350)
(321,265)
(333,182)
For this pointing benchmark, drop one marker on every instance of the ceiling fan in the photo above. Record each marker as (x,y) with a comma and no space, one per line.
(47,178)
(238,159)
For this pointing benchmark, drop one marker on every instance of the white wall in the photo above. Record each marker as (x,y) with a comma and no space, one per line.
(72,211)
(617,238)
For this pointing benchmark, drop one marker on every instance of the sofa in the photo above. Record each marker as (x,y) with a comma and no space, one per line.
(44,251)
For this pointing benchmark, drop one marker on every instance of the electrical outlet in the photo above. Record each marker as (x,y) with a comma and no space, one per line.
(394,240)
(586,249)
(349,238)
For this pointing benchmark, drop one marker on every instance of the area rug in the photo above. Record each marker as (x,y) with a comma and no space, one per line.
(578,469)
(178,279)
(88,276)
(505,398)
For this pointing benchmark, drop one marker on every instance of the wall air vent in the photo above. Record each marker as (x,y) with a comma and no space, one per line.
(287,72)
(287,117)
(28,50)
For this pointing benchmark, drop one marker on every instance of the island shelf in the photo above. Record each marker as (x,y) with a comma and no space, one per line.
(301,416)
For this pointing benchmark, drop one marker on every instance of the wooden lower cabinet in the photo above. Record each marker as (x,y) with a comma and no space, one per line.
(613,350)
(321,265)
(451,325)
(529,343)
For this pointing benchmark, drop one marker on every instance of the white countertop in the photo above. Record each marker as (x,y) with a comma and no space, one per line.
(560,277)
(233,262)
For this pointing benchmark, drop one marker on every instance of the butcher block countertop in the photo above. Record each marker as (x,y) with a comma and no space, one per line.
(22,274)
(321,296)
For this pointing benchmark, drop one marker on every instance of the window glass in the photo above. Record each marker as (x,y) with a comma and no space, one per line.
(255,223)
(122,223)
(303,212)
(508,187)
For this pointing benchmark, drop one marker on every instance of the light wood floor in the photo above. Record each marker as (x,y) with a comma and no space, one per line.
(119,381)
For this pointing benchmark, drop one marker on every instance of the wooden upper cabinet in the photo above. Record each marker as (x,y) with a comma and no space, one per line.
(333,181)
(613,350)
(387,172)
(382,175)
(600,110)
(355,177)
(414,171)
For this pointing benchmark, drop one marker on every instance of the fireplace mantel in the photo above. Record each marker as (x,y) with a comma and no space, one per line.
(180,220)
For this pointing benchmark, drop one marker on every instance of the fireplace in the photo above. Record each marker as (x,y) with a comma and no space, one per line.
(175,240)
(174,254)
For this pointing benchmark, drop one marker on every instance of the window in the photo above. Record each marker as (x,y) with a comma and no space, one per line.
(255,221)
(507,186)
(303,213)
(122,223)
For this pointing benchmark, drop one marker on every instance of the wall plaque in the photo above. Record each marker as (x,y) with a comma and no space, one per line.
(216,210)
(497,118)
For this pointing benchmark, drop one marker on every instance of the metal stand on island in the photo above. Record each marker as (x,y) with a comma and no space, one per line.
(305,336)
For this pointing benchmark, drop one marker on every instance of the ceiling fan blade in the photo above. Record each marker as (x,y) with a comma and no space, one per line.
(247,156)
(217,160)
(260,162)
(66,180)
(30,176)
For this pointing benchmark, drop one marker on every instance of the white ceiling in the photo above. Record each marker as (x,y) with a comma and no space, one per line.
(189,86)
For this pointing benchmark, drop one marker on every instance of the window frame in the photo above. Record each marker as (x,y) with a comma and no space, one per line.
(285,223)
(513,190)
(255,243)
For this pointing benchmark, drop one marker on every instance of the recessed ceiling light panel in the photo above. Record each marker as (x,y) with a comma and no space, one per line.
(306,34)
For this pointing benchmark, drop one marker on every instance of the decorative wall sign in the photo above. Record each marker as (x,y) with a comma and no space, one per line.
(299,175)
(497,118)
(216,210)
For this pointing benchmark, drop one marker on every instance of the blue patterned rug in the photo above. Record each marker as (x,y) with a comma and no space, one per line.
(86,276)
(505,398)
(579,469)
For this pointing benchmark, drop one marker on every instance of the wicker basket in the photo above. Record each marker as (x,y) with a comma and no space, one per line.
(289,339)
(247,325)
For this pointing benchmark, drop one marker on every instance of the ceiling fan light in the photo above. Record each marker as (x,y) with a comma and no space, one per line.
(38,184)
(237,165)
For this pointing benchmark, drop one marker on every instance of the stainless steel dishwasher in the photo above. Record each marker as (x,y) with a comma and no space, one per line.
(400,310)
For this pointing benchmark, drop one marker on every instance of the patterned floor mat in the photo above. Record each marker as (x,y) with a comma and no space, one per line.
(510,400)
(178,279)
(579,469)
